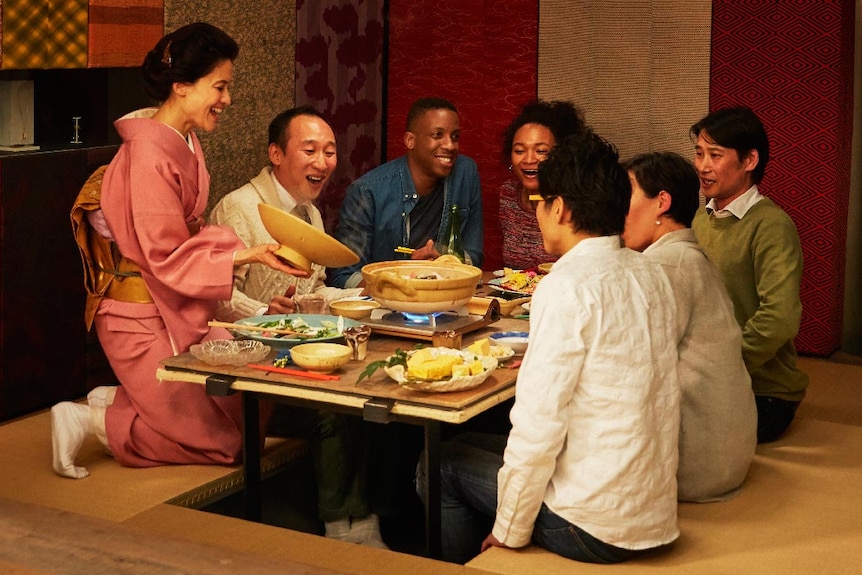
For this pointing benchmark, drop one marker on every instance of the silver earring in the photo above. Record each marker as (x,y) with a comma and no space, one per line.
(658,222)
(510,167)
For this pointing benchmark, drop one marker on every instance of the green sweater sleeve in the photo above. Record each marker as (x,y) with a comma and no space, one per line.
(759,258)
(777,267)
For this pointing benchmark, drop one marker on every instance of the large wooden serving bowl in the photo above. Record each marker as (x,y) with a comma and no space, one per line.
(397,285)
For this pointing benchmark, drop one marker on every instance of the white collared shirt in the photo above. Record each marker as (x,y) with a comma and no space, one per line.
(595,424)
(738,207)
(289,203)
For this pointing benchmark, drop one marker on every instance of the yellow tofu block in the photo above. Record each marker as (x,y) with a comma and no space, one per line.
(419,357)
(438,368)
(476,367)
(461,370)
(480,347)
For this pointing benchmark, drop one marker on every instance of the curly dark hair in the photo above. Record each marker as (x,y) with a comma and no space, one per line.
(185,55)
(584,170)
(562,118)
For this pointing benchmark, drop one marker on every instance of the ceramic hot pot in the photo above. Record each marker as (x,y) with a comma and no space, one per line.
(421,286)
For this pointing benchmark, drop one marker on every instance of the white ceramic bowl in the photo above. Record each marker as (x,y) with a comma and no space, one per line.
(516,340)
(320,357)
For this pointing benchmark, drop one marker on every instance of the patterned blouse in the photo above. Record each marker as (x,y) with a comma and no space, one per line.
(522,241)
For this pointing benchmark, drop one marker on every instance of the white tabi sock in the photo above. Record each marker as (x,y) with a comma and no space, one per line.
(71,423)
(102,396)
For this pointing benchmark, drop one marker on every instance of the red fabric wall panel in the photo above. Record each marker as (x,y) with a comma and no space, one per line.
(123,31)
(481,55)
(792,62)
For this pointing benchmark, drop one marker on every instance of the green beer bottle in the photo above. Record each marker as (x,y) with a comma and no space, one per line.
(454,245)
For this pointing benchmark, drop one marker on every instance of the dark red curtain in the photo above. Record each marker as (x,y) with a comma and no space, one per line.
(481,55)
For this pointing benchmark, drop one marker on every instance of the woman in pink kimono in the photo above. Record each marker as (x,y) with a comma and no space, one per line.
(153,196)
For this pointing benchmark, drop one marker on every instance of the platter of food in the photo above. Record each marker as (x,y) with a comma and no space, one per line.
(286,330)
(442,369)
(517,282)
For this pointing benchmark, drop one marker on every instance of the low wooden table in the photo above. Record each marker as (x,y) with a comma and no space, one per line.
(378,399)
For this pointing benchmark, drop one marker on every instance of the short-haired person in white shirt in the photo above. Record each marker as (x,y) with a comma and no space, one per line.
(589,466)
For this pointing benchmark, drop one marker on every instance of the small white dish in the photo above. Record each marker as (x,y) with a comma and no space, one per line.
(516,340)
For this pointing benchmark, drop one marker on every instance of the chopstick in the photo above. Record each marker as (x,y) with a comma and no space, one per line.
(403,250)
(229,325)
(296,372)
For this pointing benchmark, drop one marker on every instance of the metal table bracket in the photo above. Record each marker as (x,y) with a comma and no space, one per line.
(378,410)
(220,385)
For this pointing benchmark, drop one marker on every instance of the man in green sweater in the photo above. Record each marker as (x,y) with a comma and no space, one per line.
(755,246)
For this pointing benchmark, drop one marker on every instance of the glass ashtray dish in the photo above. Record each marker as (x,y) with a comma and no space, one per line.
(230,351)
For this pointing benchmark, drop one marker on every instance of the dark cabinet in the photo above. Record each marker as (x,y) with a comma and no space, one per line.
(44,347)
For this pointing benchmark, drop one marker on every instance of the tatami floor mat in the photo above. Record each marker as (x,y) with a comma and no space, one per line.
(834,392)
(111,491)
(798,512)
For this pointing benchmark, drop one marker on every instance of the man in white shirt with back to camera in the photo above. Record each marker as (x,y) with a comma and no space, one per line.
(588,470)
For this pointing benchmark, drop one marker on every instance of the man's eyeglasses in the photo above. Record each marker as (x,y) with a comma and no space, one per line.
(536,198)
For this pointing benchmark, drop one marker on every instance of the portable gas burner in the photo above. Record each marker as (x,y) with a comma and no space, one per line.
(423,326)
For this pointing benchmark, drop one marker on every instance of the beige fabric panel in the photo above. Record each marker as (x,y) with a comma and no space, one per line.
(262,86)
(639,69)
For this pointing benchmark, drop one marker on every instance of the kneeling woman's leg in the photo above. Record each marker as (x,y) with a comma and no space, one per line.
(468,492)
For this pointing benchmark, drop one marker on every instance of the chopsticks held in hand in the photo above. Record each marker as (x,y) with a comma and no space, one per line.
(403,250)
(296,372)
(244,327)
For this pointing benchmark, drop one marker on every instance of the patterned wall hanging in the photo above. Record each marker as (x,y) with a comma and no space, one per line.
(792,63)
(339,71)
(44,34)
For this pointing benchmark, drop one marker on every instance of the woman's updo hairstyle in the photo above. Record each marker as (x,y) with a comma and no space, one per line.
(185,55)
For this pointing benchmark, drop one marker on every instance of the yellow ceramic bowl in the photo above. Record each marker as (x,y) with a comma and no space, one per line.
(421,286)
(353,308)
(478,305)
(320,357)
